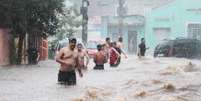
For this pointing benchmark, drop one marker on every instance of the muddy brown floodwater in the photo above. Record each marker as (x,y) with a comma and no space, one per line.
(148,79)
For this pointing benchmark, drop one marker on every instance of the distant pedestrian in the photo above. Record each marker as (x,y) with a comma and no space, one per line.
(68,58)
(99,58)
(33,55)
(142,48)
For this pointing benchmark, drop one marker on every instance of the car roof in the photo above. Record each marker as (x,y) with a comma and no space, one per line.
(185,40)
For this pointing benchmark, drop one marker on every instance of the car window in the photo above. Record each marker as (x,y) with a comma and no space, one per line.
(164,45)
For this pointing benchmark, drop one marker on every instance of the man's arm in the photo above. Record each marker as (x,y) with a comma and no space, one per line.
(95,58)
(124,53)
(78,66)
(59,56)
(115,51)
(38,56)
(87,57)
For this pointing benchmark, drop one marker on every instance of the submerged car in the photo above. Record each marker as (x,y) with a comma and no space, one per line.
(185,48)
(91,48)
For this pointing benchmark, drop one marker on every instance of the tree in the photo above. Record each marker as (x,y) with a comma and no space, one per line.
(69,23)
(33,17)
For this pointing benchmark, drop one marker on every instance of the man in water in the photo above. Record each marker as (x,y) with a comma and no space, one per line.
(33,55)
(106,47)
(107,42)
(120,46)
(99,59)
(142,48)
(114,55)
(81,57)
(68,59)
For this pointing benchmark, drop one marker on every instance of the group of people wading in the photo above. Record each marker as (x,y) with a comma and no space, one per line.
(72,59)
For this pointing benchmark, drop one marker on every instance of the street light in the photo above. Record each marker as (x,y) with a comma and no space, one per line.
(84,11)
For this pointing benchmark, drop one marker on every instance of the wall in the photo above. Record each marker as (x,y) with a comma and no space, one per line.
(134,23)
(175,16)
(4,47)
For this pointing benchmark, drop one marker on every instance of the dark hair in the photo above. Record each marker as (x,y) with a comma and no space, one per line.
(99,47)
(142,39)
(107,39)
(72,40)
(79,44)
(113,44)
(120,39)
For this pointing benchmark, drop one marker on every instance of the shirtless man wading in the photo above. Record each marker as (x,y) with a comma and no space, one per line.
(82,54)
(120,46)
(68,59)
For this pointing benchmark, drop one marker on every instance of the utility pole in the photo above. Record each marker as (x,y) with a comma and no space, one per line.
(84,11)
(121,11)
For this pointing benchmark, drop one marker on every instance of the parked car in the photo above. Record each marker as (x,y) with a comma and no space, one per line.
(91,48)
(188,48)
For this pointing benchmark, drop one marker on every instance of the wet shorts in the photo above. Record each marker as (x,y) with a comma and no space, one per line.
(99,67)
(67,77)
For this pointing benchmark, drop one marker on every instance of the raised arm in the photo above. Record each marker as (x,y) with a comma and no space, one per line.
(115,51)
(124,53)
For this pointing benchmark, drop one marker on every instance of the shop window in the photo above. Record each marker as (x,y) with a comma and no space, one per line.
(194,31)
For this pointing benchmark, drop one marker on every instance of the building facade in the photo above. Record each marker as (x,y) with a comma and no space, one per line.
(133,30)
(4,46)
(181,18)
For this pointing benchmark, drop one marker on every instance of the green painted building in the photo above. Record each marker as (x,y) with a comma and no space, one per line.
(133,30)
(181,18)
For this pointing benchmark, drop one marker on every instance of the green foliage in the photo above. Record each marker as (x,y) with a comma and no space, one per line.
(38,17)
(69,23)
(30,16)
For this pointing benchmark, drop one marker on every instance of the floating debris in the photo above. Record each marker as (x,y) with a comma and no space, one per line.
(141,93)
(120,98)
(171,98)
(156,81)
(168,87)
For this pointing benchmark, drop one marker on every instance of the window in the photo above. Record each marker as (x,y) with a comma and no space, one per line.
(194,31)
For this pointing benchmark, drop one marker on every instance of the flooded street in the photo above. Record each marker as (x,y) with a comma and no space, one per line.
(159,79)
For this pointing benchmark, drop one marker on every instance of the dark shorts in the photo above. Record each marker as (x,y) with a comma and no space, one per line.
(142,53)
(113,65)
(67,77)
(99,67)
(117,64)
